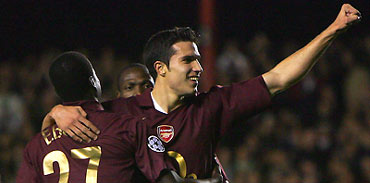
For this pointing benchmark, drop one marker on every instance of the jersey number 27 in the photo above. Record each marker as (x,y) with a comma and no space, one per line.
(93,153)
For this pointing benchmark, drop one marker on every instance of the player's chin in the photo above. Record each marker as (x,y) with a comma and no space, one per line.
(194,85)
(190,88)
(190,91)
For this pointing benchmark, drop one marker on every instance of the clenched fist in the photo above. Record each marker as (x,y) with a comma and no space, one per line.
(347,16)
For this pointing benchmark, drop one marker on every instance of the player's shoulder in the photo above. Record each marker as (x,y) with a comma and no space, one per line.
(102,114)
(252,82)
(113,116)
(108,103)
(116,121)
(119,100)
(103,119)
(120,105)
(200,97)
(221,92)
(129,119)
(35,145)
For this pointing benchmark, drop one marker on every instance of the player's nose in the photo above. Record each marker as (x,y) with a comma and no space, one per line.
(139,90)
(197,67)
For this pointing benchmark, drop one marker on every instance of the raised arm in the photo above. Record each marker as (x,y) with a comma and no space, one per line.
(72,120)
(296,66)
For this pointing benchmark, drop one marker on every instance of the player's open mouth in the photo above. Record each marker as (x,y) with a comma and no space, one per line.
(194,78)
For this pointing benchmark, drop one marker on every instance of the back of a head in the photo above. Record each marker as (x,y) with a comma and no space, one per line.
(69,74)
(159,46)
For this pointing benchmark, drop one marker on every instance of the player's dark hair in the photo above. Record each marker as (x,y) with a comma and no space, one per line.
(159,46)
(123,70)
(69,73)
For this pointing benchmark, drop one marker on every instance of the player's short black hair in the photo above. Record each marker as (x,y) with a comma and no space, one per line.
(69,73)
(159,46)
(123,70)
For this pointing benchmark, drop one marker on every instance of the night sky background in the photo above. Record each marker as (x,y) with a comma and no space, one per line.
(29,27)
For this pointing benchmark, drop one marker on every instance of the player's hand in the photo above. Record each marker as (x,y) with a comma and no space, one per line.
(347,16)
(72,120)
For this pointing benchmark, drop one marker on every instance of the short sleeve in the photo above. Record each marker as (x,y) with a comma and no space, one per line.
(245,98)
(27,173)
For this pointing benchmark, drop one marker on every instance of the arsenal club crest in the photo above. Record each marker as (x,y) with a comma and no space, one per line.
(165,133)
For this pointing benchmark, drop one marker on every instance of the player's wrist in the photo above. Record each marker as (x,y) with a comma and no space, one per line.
(48,121)
(54,111)
(328,35)
(334,29)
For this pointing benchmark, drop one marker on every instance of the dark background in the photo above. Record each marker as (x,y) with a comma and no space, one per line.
(316,131)
(30,26)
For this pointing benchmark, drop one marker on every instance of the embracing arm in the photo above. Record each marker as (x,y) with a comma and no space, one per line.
(296,66)
(72,120)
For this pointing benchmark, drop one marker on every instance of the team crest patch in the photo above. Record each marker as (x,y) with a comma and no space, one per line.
(165,133)
(155,144)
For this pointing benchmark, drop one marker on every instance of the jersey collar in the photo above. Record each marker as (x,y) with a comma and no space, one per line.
(145,99)
(156,105)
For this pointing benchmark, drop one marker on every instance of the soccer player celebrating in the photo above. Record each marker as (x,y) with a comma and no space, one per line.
(133,80)
(111,158)
(191,124)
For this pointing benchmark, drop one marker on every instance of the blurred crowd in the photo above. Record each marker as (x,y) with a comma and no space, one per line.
(316,131)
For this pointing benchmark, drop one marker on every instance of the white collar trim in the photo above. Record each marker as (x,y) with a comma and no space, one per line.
(156,105)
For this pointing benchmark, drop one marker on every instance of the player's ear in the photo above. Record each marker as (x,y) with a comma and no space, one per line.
(118,94)
(95,84)
(92,81)
(160,68)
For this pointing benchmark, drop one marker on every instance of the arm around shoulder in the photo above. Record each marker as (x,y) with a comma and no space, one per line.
(72,120)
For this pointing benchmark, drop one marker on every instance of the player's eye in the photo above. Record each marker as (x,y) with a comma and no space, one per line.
(129,88)
(188,60)
(148,85)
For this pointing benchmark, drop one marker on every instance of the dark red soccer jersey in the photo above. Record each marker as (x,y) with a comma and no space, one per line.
(52,157)
(191,132)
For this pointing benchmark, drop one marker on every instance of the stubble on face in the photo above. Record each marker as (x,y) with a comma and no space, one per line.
(184,68)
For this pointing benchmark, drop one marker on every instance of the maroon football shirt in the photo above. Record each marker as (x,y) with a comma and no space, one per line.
(51,156)
(191,132)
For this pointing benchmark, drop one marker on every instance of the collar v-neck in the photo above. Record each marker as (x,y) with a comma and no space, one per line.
(156,105)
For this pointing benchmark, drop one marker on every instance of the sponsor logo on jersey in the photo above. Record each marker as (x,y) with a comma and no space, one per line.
(165,133)
(155,144)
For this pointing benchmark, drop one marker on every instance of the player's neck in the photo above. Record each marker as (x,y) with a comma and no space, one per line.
(96,99)
(166,97)
(100,106)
